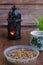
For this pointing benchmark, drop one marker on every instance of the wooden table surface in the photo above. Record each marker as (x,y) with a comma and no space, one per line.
(25,40)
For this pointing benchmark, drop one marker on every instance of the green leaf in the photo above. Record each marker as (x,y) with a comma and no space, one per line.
(39,22)
(39,18)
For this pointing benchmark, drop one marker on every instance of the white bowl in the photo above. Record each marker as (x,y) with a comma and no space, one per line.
(36,39)
(21,61)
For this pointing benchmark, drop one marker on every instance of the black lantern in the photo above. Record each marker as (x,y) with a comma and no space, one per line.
(14,23)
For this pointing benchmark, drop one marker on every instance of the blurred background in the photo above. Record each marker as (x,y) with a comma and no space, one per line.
(30,10)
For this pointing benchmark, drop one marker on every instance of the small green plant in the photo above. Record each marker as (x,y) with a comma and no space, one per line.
(39,23)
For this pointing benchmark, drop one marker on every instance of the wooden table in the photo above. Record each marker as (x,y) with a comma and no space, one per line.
(25,40)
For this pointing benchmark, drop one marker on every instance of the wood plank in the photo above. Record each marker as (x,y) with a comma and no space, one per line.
(25,9)
(21,2)
(24,22)
(29,13)
(7,7)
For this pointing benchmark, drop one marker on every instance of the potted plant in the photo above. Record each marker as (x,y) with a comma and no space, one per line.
(36,38)
(39,23)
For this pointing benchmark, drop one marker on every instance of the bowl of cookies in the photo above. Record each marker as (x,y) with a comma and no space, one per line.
(21,55)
